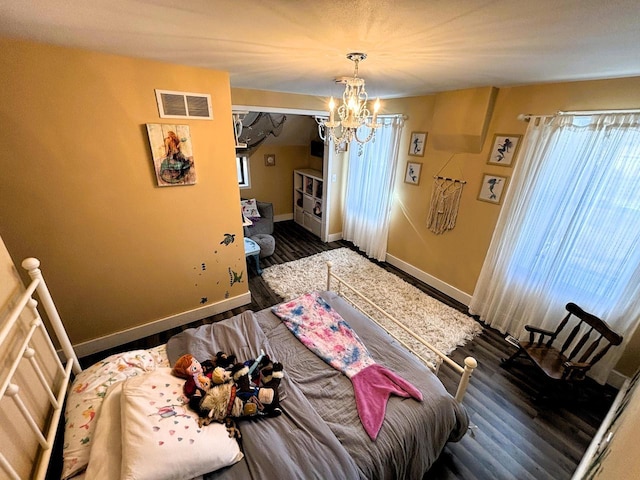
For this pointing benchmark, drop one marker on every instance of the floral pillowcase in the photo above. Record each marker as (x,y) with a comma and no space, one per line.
(86,397)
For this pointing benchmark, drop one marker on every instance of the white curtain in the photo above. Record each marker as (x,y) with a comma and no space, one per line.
(569,230)
(369,191)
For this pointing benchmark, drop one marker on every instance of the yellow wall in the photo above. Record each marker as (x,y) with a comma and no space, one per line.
(78,189)
(275,184)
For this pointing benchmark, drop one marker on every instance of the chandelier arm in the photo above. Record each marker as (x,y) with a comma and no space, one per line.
(372,132)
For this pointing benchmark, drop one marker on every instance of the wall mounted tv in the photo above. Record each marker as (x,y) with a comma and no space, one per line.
(317,148)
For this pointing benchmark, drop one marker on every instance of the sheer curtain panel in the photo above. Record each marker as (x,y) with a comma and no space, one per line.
(569,230)
(370,180)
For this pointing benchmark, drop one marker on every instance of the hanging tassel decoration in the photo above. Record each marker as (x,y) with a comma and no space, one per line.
(445,202)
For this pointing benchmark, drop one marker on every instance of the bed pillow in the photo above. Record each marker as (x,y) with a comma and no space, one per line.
(86,396)
(161,438)
(106,453)
(250,208)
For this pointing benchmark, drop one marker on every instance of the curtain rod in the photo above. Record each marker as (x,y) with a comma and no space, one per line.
(380,115)
(525,117)
(440,177)
(598,112)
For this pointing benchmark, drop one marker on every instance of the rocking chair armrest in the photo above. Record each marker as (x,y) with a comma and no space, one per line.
(575,370)
(543,333)
(576,365)
(532,329)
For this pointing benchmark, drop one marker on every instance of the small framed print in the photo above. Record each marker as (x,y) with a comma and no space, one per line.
(492,188)
(504,149)
(270,160)
(412,174)
(417,144)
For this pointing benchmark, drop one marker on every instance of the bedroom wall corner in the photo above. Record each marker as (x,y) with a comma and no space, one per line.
(79,189)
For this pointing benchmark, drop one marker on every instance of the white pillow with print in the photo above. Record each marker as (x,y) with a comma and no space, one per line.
(250,208)
(161,438)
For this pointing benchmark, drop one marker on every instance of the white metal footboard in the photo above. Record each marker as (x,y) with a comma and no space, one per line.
(33,366)
(465,372)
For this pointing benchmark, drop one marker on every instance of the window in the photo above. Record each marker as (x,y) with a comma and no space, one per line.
(578,227)
(569,230)
(244,175)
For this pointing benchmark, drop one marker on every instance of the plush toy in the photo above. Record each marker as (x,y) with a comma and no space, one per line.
(190,369)
(196,384)
(270,377)
(224,360)
(221,390)
(240,399)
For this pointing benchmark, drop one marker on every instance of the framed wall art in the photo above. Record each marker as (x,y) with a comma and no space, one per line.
(504,149)
(172,154)
(412,173)
(492,188)
(417,144)
(270,160)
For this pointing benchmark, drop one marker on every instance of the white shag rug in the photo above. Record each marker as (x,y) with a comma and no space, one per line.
(440,325)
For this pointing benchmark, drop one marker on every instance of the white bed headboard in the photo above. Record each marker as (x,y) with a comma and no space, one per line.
(34,381)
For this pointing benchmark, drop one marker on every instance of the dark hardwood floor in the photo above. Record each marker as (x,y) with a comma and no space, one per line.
(512,436)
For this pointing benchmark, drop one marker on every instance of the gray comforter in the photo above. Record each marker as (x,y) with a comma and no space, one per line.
(319,434)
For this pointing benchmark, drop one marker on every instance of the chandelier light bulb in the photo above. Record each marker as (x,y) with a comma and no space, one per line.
(332,106)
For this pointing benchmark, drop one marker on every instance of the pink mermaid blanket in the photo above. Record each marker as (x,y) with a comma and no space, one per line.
(321,329)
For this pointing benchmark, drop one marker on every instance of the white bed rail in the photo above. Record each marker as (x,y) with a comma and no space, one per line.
(465,372)
(54,385)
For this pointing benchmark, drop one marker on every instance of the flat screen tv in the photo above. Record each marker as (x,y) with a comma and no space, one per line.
(317,148)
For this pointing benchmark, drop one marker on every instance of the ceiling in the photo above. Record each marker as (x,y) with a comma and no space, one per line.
(414,47)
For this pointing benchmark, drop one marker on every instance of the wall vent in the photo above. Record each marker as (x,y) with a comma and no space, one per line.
(184,105)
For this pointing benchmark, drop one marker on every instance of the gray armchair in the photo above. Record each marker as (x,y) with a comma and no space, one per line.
(262,225)
(262,228)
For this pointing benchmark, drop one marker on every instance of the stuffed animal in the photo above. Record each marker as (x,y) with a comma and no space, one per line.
(196,384)
(222,360)
(240,399)
(270,377)
(222,391)
(189,368)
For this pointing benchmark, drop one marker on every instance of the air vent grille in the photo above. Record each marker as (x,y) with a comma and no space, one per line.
(184,105)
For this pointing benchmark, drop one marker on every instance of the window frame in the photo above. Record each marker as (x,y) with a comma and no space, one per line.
(244,171)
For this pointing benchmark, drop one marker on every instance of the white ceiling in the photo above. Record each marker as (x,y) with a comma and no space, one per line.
(414,47)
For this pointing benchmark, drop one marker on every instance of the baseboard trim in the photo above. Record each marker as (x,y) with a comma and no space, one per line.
(334,237)
(125,336)
(283,217)
(430,280)
(616,379)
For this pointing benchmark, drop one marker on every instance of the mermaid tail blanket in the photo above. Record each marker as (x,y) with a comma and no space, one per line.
(321,329)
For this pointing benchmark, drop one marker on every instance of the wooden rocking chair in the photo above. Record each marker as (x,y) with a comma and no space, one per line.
(558,365)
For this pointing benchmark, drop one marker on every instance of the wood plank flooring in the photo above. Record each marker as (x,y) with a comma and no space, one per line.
(512,437)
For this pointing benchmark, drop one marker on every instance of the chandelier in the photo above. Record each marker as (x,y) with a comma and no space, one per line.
(353,113)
